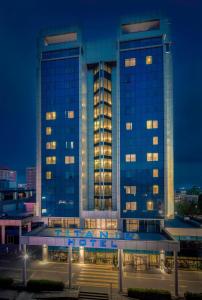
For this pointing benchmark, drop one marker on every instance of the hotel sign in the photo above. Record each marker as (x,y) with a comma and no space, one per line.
(94,238)
(92,243)
(98,234)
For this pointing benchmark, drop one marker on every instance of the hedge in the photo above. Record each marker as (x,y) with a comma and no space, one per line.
(193,296)
(149,294)
(44,285)
(6,282)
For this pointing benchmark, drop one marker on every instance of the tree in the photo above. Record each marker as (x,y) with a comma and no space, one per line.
(186,208)
(200,203)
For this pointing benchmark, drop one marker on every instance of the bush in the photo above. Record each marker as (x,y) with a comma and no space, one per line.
(149,294)
(6,282)
(193,296)
(44,285)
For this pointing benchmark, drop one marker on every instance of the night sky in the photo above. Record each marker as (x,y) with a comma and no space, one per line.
(20,24)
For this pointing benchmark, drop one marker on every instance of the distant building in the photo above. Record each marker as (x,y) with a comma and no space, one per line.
(31,178)
(181,196)
(17,208)
(8,178)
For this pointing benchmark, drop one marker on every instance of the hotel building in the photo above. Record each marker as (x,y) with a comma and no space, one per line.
(105,145)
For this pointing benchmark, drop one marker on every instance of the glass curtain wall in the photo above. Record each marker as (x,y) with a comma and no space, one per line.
(102,137)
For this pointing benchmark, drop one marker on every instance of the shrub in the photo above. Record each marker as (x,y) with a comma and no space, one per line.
(6,282)
(44,285)
(149,294)
(193,296)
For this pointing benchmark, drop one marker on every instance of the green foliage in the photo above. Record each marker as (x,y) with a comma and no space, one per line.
(186,208)
(149,294)
(195,190)
(200,203)
(6,282)
(44,285)
(192,296)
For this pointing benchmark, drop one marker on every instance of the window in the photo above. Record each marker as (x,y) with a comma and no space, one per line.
(107,84)
(155,189)
(152,156)
(131,205)
(51,145)
(148,60)
(150,205)
(155,173)
(152,124)
(155,124)
(132,225)
(69,145)
(155,140)
(48,175)
(51,160)
(69,114)
(155,156)
(130,62)
(129,126)
(51,115)
(130,157)
(130,189)
(69,160)
(48,130)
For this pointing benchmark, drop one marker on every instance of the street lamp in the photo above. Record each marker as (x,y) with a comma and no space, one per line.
(25,258)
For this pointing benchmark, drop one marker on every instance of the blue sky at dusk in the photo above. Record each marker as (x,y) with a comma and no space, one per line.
(20,24)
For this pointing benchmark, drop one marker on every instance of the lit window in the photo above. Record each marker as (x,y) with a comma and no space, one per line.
(152,124)
(152,157)
(155,189)
(155,173)
(130,157)
(149,157)
(149,124)
(48,130)
(130,190)
(48,175)
(155,156)
(131,205)
(51,145)
(70,114)
(130,62)
(51,160)
(150,205)
(155,140)
(129,126)
(148,60)
(69,160)
(155,124)
(51,115)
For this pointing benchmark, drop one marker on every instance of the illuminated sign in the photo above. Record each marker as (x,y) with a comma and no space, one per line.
(95,234)
(92,243)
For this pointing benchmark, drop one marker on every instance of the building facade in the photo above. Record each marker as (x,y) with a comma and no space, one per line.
(8,178)
(105,133)
(31,178)
(105,124)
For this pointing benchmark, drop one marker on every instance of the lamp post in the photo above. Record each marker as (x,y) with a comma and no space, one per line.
(25,258)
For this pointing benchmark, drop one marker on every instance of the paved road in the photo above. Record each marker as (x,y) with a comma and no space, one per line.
(100,276)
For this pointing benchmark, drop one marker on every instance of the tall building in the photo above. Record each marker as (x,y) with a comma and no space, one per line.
(8,178)
(31,178)
(105,138)
(105,126)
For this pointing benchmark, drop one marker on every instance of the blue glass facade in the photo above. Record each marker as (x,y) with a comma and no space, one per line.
(105,134)
(60,94)
(141,99)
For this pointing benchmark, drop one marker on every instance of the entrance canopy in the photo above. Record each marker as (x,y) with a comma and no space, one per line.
(110,239)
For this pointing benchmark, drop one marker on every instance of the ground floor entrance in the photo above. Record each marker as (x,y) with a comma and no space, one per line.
(139,261)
